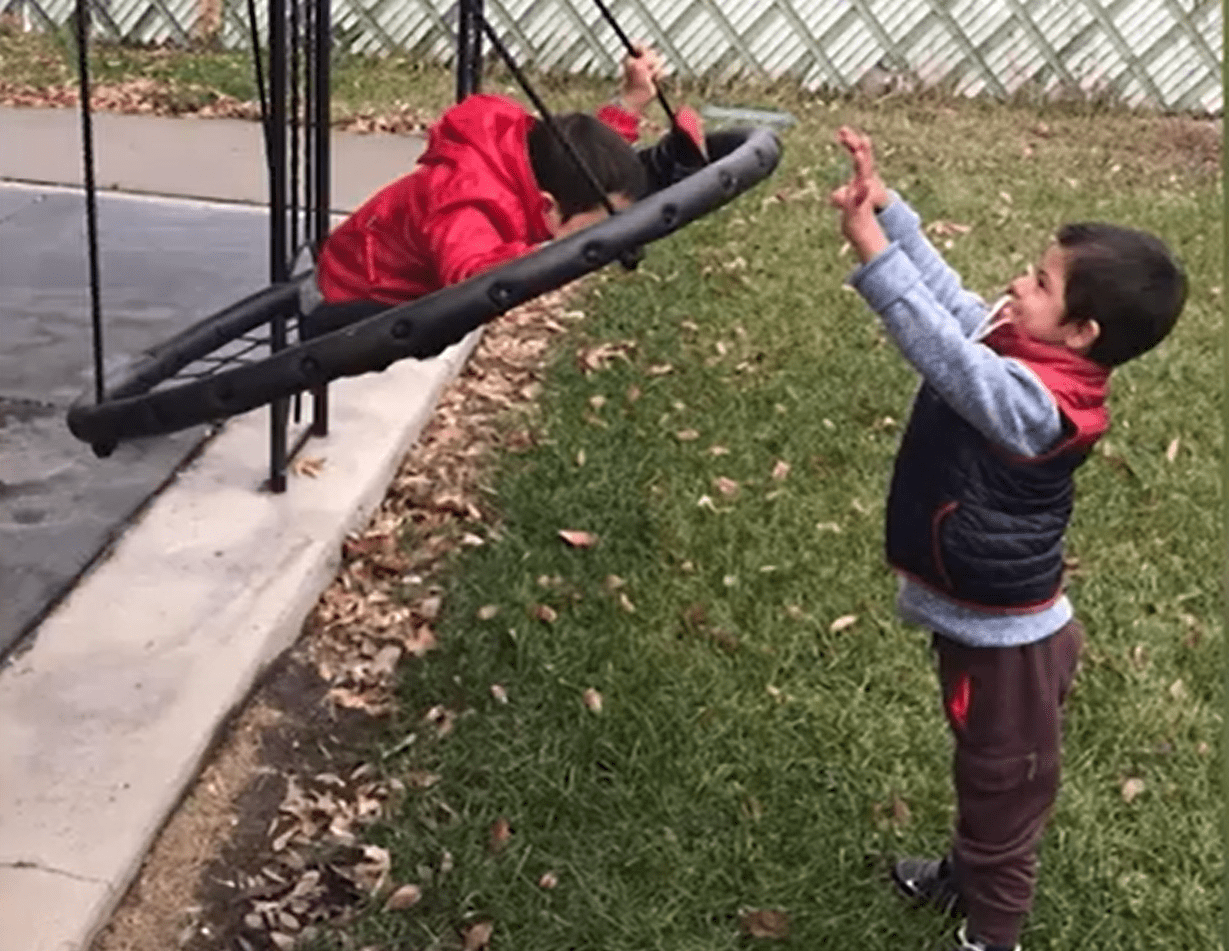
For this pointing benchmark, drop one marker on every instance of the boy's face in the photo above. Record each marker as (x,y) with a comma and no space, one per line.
(559,228)
(1037,304)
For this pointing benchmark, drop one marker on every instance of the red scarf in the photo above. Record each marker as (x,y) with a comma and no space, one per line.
(1079,386)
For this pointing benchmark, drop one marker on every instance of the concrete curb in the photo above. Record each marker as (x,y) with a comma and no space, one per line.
(105,719)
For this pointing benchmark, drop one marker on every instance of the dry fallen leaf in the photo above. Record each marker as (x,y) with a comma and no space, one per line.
(373,870)
(421,779)
(442,718)
(545,613)
(727,487)
(592,700)
(419,641)
(844,621)
(1132,788)
(428,608)
(577,538)
(945,229)
(501,832)
(477,937)
(309,466)
(768,923)
(599,357)
(407,896)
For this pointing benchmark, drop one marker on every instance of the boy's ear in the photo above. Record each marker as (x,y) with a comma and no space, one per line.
(1083,335)
(551,212)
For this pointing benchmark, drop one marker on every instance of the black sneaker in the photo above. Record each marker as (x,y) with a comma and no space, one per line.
(929,882)
(965,943)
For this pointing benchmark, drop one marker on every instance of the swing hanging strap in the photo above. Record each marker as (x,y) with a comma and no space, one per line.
(630,257)
(91,195)
(545,113)
(696,146)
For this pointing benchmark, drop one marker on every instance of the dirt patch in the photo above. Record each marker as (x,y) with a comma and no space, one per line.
(160,904)
(191,890)
(1188,144)
(268,846)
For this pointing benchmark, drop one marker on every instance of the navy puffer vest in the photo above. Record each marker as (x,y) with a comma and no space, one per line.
(972,521)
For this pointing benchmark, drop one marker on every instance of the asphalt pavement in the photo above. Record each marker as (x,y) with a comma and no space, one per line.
(142,595)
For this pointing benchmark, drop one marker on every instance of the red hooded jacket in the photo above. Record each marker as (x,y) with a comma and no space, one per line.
(471,203)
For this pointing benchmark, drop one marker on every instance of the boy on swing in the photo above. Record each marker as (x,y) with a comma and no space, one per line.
(1011,402)
(492,184)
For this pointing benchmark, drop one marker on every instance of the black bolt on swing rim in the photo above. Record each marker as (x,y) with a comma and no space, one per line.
(150,400)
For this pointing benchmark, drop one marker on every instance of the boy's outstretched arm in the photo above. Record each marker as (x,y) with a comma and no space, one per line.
(998,396)
(901,224)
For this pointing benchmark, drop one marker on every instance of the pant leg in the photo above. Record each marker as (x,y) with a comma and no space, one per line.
(1004,707)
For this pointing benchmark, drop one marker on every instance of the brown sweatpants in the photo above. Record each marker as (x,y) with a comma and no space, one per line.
(1004,707)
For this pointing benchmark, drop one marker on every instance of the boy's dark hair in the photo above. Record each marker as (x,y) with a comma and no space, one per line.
(1127,282)
(613,162)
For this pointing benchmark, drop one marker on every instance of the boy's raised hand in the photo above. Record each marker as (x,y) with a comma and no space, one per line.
(858,198)
(640,76)
(863,155)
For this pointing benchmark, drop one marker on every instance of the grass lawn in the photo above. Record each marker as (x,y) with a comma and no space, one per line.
(768,732)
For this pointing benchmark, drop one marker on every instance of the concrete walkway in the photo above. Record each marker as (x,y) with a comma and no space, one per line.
(108,707)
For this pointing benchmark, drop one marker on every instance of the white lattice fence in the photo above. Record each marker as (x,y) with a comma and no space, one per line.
(1161,53)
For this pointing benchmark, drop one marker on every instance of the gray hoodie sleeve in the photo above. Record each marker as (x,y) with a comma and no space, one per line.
(998,395)
(902,224)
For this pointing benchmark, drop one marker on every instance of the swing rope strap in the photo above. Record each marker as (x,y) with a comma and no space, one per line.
(547,117)
(91,195)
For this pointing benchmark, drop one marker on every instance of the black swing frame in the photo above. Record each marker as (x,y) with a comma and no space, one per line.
(137,407)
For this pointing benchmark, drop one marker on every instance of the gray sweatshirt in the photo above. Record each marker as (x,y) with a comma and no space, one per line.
(937,325)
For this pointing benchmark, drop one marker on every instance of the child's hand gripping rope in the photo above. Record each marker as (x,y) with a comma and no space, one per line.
(641,72)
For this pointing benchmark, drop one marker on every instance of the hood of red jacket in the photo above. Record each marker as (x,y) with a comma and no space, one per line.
(1080,386)
(482,139)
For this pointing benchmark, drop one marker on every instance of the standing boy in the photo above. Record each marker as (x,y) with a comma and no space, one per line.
(1011,402)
